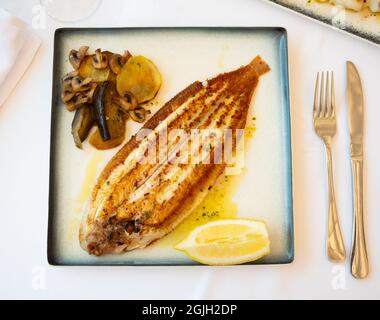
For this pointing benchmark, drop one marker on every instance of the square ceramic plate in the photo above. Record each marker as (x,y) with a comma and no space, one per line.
(263,189)
(364,24)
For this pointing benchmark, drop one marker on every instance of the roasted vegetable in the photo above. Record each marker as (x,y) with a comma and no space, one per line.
(115,121)
(116,63)
(82,123)
(79,84)
(67,95)
(106,89)
(99,59)
(87,70)
(76,57)
(126,56)
(67,79)
(115,117)
(137,114)
(78,100)
(75,100)
(90,91)
(99,105)
(97,141)
(128,101)
(139,76)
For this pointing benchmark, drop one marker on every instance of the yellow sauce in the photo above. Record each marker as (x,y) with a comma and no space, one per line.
(77,210)
(249,131)
(85,191)
(218,204)
(88,181)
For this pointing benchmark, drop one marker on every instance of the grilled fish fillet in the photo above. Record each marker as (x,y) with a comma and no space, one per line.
(136,202)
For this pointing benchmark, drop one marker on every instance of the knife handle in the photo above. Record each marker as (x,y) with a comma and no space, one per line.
(359,259)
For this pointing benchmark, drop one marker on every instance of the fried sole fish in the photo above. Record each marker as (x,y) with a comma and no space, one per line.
(138,199)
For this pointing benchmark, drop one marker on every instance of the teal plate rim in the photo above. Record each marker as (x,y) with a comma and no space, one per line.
(283,57)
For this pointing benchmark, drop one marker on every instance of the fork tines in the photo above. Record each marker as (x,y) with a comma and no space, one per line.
(324,99)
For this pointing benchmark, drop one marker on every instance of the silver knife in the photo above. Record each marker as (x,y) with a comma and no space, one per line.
(359,258)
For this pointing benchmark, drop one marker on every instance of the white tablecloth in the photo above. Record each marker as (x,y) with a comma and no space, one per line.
(24,169)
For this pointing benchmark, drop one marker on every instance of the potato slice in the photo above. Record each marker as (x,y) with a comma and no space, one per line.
(87,70)
(139,76)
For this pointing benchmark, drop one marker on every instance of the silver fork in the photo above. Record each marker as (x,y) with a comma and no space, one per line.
(325,126)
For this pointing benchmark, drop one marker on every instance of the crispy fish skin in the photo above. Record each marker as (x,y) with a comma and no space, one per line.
(134,203)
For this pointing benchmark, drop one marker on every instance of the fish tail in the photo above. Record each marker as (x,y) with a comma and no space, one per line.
(259,65)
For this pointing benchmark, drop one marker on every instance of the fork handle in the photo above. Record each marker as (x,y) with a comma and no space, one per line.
(335,245)
(359,258)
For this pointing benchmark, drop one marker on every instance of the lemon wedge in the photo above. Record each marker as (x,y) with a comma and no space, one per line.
(227,242)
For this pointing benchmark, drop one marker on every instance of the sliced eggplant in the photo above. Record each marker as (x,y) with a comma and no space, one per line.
(115,119)
(99,105)
(82,123)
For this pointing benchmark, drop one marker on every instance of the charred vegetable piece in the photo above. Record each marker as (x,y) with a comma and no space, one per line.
(141,77)
(82,123)
(115,119)
(87,70)
(100,110)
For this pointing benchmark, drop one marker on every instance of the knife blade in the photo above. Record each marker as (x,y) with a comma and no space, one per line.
(355,110)
(359,258)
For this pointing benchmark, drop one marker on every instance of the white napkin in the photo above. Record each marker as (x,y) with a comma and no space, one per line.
(18,45)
